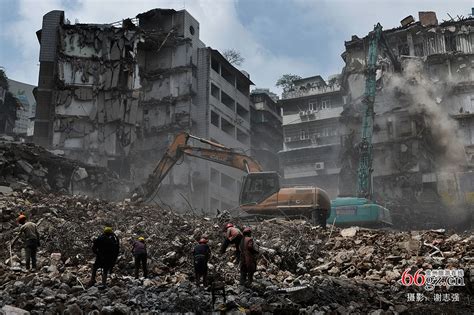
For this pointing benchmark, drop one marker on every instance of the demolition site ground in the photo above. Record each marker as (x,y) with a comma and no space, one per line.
(301,268)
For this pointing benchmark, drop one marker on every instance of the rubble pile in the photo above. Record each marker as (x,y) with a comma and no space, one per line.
(23,165)
(302,268)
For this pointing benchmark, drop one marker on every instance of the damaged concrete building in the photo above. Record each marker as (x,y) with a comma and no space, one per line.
(424,103)
(266,128)
(23,92)
(9,106)
(312,139)
(116,94)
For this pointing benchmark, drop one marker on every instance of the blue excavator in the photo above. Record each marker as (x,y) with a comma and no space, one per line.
(362,210)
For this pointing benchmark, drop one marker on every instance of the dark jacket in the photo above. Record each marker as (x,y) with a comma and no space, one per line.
(248,254)
(138,248)
(202,251)
(106,248)
(29,234)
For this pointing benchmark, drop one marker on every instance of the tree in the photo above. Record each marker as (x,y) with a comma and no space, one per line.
(233,57)
(3,79)
(287,82)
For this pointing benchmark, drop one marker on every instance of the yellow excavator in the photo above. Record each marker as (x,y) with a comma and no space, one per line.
(260,194)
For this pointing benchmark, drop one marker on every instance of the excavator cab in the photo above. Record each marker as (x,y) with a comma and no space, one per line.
(257,187)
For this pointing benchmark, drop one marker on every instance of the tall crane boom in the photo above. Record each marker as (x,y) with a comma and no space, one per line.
(364,172)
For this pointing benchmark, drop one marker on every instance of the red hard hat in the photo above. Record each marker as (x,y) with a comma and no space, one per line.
(229,225)
(203,241)
(21,218)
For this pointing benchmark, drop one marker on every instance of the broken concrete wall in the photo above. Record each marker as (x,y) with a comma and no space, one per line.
(416,135)
(96,100)
(123,91)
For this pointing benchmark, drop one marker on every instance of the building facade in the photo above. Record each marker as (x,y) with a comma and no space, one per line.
(423,123)
(8,106)
(24,125)
(116,94)
(312,133)
(266,129)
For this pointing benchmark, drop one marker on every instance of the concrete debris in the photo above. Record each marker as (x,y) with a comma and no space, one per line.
(5,190)
(301,270)
(24,166)
(11,310)
(350,232)
(408,20)
(428,18)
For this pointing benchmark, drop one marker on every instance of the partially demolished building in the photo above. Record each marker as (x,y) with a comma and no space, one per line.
(312,139)
(266,128)
(116,94)
(26,112)
(8,106)
(424,123)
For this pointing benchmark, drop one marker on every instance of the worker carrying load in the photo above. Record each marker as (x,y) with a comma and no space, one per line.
(31,240)
(201,255)
(232,236)
(106,249)
(248,261)
(140,256)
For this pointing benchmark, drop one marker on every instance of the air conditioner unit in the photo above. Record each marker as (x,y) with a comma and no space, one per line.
(319,165)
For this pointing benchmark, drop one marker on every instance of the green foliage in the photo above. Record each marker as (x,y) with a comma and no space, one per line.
(287,81)
(3,79)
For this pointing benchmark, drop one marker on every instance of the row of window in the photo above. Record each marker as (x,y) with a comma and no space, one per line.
(305,134)
(260,101)
(436,43)
(228,101)
(224,180)
(312,105)
(229,128)
(225,73)
(323,104)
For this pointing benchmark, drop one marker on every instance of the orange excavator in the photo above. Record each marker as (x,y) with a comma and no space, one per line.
(260,194)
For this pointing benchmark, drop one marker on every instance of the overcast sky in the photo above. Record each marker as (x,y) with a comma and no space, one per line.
(304,37)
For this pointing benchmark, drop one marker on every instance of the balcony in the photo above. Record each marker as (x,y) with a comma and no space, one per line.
(302,91)
(312,115)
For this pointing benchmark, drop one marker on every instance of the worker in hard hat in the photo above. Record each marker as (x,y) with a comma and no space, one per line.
(106,248)
(31,239)
(201,254)
(248,261)
(140,256)
(232,236)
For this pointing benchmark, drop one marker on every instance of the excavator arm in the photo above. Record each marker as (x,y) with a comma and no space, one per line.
(217,153)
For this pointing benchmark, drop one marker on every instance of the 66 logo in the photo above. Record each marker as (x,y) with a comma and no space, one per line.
(430,279)
(418,279)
